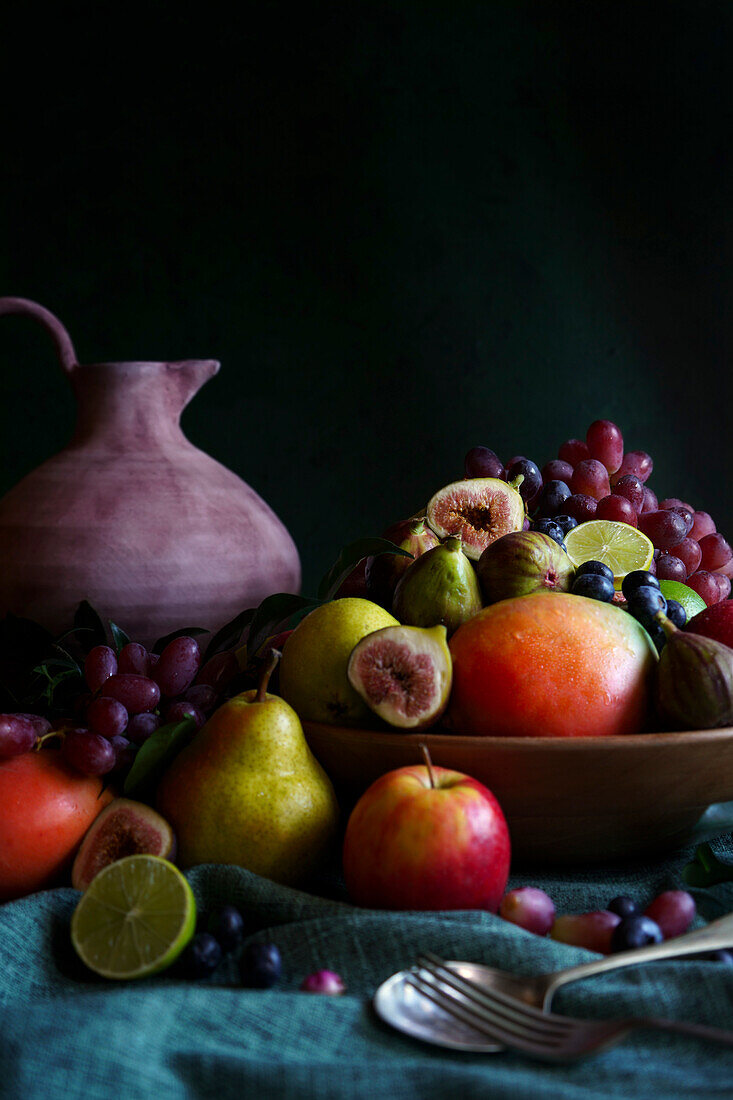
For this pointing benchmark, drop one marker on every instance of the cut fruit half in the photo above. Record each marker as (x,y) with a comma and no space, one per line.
(618,545)
(404,674)
(135,919)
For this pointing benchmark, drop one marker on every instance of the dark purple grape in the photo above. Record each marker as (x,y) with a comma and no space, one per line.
(180,709)
(88,752)
(202,696)
(219,670)
(597,568)
(630,487)
(638,463)
(532,483)
(261,965)
(203,955)
(573,451)
(552,498)
(99,665)
(228,927)
(703,524)
(142,726)
(623,905)
(715,552)
(581,507)
(635,931)
(713,587)
(133,658)
(689,552)
(124,753)
(42,725)
(618,509)
(590,478)
(605,443)
(665,528)
(557,470)
(483,462)
(107,716)
(136,693)
(179,662)
(17,735)
(670,568)
(650,502)
(594,587)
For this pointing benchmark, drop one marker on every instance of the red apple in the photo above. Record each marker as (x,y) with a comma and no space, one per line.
(424,837)
(714,622)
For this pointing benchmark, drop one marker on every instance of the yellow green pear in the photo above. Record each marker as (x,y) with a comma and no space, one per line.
(248,791)
(313,675)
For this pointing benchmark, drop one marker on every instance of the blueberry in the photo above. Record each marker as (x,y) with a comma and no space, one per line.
(595,567)
(638,578)
(636,930)
(549,527)
(723,956)
(261,965)
(566,523)
(203,955)
(228,927)
(644,603)
(594,586)
(553,496)
(676,613)
(623,905)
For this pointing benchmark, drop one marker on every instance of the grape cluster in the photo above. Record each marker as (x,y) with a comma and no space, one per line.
(621,926)
(596,478)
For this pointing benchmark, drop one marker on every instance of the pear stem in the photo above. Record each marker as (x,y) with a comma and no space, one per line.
(428,763)
(270,665)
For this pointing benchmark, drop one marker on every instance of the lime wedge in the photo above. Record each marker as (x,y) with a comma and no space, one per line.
(618,545)
(688,597)
(134,919)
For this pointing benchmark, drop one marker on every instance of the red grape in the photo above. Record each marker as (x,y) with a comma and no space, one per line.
(133,658)
(530,908)
(703,524)
(107,716)
(99,665)
(591,478)
(17,735)
(557,470)
(716,552)
(574,451)
(142,726)
(665,529)
(617,508)
(219,670)
(675,502)
(180,709)
(124,753)
(650,503)
(41,724)
(605,443)
(671,568)
(179,662)
(483,462)
(203,696)
(581,507)
(673,911)
(630,487)
(136,693)
(591,930)
(689,552)
(88,752)
(713,587)
(638,463)
(726,570)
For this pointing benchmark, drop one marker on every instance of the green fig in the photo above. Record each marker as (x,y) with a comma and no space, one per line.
(404,674)
(694,688)
(523,562)
(440,587)
(247,790)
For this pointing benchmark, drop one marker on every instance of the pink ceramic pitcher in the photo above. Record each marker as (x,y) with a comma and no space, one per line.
(133,517)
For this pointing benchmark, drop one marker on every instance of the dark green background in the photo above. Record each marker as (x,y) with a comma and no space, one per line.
(404,229)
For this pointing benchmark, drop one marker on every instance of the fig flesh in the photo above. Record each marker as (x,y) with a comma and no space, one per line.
(404,674)
(694,682)
(440,587)
(479,510)
(124,828)
(384,570)
(523,562)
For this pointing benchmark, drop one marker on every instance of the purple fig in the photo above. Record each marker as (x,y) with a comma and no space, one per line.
(385,570)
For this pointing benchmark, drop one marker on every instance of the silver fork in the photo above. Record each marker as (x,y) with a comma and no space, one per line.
(541,988)
(525,1028)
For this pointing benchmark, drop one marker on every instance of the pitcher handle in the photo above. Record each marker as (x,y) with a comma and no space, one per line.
(61,338)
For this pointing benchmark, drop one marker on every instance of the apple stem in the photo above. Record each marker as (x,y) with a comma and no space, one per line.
(270,665)
(428,763)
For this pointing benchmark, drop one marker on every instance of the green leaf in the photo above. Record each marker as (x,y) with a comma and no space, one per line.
(155,755)
(184,632)
(706,869)
(88,623)
(119,638)
(349,558)
(229,635)
(275,613)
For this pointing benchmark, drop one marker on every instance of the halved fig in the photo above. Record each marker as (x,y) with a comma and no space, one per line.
(404,674)
(479,510)
(124,828)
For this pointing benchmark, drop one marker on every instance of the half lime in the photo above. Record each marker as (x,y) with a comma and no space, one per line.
(620,546)
(135,918)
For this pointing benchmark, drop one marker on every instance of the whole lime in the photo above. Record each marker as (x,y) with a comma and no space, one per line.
(688,597)
(315,657)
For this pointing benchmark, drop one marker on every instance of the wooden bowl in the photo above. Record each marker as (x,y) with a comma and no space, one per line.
(567,800)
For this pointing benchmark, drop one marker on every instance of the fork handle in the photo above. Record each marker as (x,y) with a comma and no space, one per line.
(714,937)
(700,1031)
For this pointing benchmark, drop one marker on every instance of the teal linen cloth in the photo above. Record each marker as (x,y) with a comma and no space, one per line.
(66,1033)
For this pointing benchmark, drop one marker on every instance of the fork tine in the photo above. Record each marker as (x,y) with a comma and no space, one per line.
(519,1017)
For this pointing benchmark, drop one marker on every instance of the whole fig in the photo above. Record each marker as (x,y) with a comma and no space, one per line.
(384,570)
(439,587)
(694,682)
(523,562)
